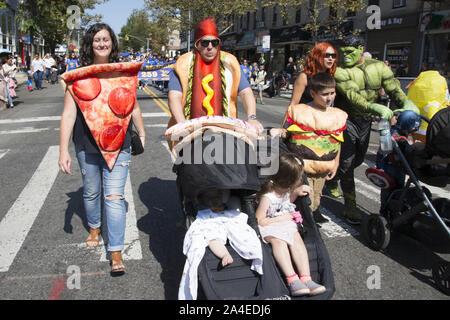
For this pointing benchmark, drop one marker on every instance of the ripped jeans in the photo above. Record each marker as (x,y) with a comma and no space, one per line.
(96,173)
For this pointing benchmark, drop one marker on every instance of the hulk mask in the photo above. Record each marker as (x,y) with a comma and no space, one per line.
(351,55)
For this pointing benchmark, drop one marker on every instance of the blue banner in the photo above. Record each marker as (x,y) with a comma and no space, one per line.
(156,72)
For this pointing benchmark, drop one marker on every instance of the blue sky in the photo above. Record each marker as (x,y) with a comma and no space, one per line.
(116,12)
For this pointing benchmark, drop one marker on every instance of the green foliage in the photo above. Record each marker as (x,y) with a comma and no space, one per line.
(187,13)
(143,24)
(333,24)
(48,18)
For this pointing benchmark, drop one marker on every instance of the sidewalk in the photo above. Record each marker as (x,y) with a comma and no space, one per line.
(287,94)
(21,78)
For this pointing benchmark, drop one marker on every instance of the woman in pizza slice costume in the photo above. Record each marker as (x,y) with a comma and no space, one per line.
(100,107)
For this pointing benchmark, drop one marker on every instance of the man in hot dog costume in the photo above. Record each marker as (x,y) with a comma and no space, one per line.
(207,81)
(358,84)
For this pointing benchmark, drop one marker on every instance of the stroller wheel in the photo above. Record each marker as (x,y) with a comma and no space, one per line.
(441,276)
(375,230)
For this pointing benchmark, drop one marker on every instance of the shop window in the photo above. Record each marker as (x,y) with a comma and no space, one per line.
(398,4)
(298,15)
(274,17)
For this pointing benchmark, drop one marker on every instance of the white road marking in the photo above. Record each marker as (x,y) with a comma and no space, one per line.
(166,146)
(162,125)
(34,119)
(3,152)
(24,130)
(18,221)
(58,118)
(335,227)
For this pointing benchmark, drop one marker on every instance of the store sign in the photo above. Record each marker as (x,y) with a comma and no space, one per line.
(266,43)
(435,21)
(391,21)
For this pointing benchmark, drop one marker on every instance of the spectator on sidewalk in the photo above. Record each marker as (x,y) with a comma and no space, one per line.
(260,80)
(3,89)
(37,67)
(49,62)
(72,62)
(9,71)
(291,69)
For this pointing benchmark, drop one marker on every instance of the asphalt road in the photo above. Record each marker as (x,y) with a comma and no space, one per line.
(43,228)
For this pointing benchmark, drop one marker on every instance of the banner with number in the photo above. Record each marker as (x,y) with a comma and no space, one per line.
(156,72)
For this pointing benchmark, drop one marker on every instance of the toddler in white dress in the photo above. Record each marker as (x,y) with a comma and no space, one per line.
(277,222)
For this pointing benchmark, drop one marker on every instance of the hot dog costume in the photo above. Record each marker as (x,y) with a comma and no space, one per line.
(208,88)
(358,86)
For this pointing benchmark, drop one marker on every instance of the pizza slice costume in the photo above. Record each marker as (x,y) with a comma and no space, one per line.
(105,95)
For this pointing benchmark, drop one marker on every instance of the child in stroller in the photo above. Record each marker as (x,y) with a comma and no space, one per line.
(277,221)
(410,207)
(403,125)
(218,220)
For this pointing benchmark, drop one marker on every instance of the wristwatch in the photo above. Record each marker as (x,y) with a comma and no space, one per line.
(251,117)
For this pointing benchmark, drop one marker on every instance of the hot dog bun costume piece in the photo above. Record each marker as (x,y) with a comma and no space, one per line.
(316,135)
(208,88)
(105,94)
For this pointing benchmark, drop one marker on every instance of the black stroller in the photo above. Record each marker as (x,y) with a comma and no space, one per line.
(411,209)
(237,281)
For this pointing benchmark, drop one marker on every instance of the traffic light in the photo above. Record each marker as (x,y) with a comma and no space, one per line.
(127,38)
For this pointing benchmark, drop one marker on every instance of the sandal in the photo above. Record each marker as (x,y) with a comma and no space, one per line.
(117,267)
(92,241)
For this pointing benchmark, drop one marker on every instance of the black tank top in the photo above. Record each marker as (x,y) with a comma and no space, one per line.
(306,96)
(83,139)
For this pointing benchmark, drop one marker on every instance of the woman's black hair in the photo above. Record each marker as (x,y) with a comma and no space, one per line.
(87,52)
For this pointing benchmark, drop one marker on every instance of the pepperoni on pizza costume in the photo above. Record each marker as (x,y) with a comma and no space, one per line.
(105,94)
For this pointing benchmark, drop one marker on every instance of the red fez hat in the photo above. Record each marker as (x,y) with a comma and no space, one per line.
(206,27)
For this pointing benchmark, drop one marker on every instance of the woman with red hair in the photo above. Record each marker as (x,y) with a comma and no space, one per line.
(322,58)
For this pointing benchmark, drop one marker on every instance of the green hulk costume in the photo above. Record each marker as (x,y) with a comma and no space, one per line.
(358,84)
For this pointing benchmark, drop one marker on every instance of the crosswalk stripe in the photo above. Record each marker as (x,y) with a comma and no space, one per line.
(3,152)
(58,118)
(335,227)
(18,221)
(24,130)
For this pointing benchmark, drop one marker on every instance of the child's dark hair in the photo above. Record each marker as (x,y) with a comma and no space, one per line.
(321,81)
(289,175)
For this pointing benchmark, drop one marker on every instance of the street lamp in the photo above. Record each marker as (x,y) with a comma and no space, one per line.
(140,39)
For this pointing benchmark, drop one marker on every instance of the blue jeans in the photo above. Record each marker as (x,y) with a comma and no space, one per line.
(95,174)
(38,79)
(10,102)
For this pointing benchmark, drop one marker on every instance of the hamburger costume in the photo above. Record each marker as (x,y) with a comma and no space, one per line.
(315,134)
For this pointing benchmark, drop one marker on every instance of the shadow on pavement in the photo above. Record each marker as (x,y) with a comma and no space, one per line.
(165,226)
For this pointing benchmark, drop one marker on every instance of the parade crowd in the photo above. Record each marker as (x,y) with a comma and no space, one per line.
(326,129)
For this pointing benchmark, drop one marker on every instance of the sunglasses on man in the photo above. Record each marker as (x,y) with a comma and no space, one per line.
(330,55)
(205,43)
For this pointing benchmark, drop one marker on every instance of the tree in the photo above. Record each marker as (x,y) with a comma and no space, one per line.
(337,17)
(47,19)
(137,27)
(142,25)
(187,13)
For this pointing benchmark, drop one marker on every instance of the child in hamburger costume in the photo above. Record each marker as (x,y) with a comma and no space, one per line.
(314,131)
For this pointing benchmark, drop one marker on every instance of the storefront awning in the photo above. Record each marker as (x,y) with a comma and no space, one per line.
(247,41)
(289,35)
